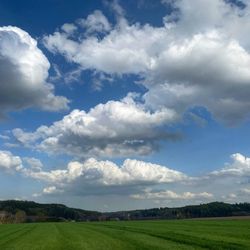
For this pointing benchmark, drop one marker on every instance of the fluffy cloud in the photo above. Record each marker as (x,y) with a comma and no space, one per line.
(95,22)
(9,162)
(212,72)
(199,16)
(239,167)
(135,179)
(170,195)
(147,181)
(120,51)
(23,73)
(105,176)
(107,173)
(116,128)
(199,57)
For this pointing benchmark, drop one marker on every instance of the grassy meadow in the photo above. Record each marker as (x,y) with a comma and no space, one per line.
(153,235)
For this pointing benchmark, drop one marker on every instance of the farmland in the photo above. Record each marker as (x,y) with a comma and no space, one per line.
(168,234)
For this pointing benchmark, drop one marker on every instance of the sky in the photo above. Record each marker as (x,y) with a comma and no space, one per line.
(117,105)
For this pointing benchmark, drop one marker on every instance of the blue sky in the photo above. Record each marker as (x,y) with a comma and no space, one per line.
(112,105)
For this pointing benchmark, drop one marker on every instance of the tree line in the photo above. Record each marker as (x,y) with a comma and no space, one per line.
(12,211)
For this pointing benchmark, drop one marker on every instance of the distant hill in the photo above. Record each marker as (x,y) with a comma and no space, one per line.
(213,209)
(29,211)
(12,211)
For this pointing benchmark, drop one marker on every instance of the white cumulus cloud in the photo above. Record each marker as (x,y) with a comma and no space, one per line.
(198,57)
(113,129)
(23,74)
(9,162)
(240,166)
(135,179)
(105,176)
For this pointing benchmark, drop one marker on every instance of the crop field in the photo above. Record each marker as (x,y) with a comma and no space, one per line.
(153,235)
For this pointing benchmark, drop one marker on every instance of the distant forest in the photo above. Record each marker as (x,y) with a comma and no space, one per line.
(12,211)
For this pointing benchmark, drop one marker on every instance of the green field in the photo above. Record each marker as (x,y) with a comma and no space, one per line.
(153,235)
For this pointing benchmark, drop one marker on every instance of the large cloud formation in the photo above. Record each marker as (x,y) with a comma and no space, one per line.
(137,180)
(199,57)
(146,181)
(95,177)
(23,74)
(89,176)
(114,129)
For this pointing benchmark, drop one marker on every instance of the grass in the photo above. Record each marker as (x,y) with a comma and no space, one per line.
(153,235)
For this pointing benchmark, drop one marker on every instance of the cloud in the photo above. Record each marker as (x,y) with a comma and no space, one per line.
(94,176)
(51,190)
(69,28)
(170,195)
(107,173)
(23,74)
(245,191)
(116,7)
(95,22)
(4,137)
(199,16)
(34,163)
(239,167)
(114,129)
(121,51)
(134,179)
(198,57)
(140,180)
(9,162)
